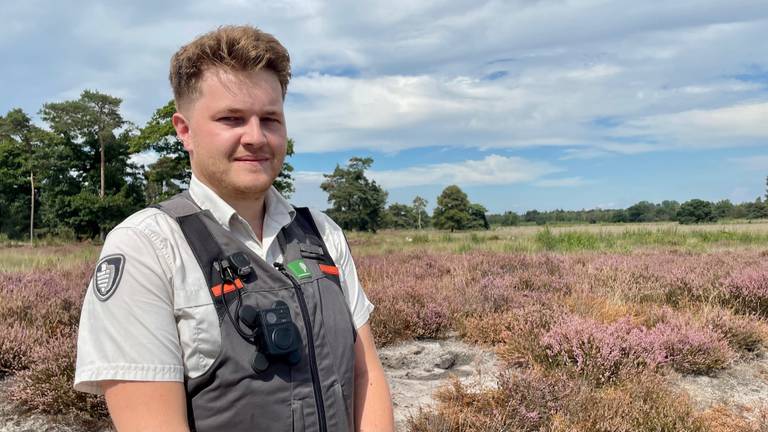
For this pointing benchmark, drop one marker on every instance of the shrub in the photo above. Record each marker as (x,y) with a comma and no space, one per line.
(643,403)
(721,419)
(17,341)
(747,290)
(601,353)
(523,402)
(692,349)
(745,335)
(47,385)
(541,401)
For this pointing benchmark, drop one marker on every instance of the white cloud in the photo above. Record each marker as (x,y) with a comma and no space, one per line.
(491,170)
(729,126)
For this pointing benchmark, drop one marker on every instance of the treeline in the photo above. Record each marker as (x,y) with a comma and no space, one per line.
(358,203)
(689,212)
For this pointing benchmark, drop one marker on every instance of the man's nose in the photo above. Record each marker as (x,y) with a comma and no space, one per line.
(253,132)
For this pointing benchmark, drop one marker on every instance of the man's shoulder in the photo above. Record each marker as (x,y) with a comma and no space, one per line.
(150,220)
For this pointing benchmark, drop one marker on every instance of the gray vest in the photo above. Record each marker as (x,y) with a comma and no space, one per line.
(314,394)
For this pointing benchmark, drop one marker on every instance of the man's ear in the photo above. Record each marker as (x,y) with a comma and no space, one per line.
(181,124)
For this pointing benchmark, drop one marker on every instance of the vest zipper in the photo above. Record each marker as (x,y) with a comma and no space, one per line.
(310,346)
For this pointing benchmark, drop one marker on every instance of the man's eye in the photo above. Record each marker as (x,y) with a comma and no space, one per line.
(229,119)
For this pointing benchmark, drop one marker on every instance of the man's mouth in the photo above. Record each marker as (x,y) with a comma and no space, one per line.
(252,159)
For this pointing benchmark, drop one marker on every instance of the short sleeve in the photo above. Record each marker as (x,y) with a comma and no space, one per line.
(334,239)
(127,325)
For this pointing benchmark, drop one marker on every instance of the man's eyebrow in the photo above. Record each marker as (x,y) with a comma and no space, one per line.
(233,110)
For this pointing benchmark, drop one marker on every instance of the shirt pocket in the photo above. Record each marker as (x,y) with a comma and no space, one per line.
(199,331)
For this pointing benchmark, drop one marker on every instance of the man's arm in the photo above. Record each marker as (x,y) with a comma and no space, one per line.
(373,402)
(147,406)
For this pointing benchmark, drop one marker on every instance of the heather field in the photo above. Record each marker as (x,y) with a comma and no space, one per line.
(595,327)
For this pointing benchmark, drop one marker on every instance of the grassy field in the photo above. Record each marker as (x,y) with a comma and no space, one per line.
(621,238)
(589,321)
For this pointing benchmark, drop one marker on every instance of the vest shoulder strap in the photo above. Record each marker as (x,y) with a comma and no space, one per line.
(179,205)
(200,239)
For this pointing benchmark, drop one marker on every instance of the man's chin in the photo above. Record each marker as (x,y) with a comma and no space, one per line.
(249,190)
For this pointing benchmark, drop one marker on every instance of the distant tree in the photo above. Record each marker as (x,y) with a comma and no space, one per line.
(477,216)
(723,209)
(509,218)
(643,211)
(757,209)
(533,216)
(453,210)
(420,209)
(399,216)
(696,211)
(620,216)
(356,202)
(667,211)
(284,181)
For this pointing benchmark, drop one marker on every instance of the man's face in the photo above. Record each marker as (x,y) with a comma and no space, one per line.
(235,132)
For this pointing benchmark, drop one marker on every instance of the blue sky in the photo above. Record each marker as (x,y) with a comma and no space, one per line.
(524,104)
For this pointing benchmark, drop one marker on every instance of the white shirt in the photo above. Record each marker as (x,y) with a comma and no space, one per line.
(160,323)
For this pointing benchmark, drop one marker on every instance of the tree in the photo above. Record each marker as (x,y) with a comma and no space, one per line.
(667,211)
(477,217)
(509,218)
(89,160)
(696,211)
(420,209)
(723,209)
(93,117)
(356,202)
(643,211)
(399,216)
(284,181)
(452,211)
(23,144)
(757,209)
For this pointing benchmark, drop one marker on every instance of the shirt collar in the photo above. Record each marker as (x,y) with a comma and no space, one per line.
(277,208)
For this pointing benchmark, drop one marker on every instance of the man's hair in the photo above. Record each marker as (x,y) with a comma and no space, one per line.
(234,48)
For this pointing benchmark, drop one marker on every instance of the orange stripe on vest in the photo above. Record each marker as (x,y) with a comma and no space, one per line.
(228,287)
(328,269)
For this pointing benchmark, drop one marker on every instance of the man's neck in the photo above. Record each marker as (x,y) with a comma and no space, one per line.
(252,210)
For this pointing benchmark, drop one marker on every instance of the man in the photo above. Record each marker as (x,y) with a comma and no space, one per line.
(225,308)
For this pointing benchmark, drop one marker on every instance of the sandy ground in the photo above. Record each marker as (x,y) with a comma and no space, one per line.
(416,369)
(743,387)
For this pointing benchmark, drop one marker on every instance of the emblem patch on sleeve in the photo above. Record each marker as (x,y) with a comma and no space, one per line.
(107,276)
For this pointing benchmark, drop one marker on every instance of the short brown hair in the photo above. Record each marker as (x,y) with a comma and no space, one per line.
(236,48)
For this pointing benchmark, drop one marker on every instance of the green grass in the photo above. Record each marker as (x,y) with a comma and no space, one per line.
(569,239)
(524,239)
(20,258)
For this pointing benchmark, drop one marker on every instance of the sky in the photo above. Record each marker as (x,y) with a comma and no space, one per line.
(527,104)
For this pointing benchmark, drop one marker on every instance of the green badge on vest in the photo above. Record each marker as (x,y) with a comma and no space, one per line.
(299,269)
